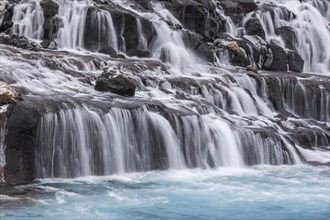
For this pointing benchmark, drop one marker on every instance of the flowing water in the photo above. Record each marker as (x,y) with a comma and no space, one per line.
(198,140)
(262,192)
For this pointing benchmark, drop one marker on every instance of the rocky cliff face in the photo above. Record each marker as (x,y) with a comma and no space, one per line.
(187,83)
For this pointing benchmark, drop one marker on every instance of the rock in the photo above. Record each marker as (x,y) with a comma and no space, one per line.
(251,68)
(254,27)
(198,16)
(295,62)
(6,15)
(8,95)
(18,41)
(288,35)
(115,82)
(276,58)
(51,27)
(138,53)
(259,48)
(50,8)
(240,58)
(48,44)
(109,51)
(236,9)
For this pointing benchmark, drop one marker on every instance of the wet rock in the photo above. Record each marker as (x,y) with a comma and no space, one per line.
(18,41)
(198,16)
(51,27)
(114,81)
(138,53)
(50,8)
(295,62)
(8,95)
(276,58)
(288,35)
(48,44)
(109,51)
(236,9)
(254,27)
(6,15)
(259,48)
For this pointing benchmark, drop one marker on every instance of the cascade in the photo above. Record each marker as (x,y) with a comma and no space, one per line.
(186,112)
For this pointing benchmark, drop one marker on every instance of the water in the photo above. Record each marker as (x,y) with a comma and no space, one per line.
(197,141)
(261,192)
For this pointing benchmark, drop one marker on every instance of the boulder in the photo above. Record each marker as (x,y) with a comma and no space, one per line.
(8,95)
(50,8)
(254,27)
(108,50)
(288,35)
(48,44)
(259,48)
(114,81)
(276,58)
(51,27)
(295,62)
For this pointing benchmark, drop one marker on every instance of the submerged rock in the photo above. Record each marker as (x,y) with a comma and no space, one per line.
(112,80)
(8,95)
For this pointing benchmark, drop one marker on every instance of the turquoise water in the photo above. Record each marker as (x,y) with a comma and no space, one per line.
(262,192)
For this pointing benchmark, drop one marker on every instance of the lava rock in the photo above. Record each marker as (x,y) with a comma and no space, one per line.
(288,35)
(254,27)
(114,81)
(295,62)
(276,58)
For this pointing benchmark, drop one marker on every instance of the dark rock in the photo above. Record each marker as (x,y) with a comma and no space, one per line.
(6,25)
(198,16)
(119,84)
(48,44)
(237,9)
(254,27)
(276,58)
(109,51)
(259,48)
(18,41)
(50,8)
(239,59)
(288,35)
(51,27)
(295,62)
(7,18)
(138,53)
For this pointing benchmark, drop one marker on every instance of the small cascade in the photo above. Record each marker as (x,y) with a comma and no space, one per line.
(28,19)
(309,20)
(99,31)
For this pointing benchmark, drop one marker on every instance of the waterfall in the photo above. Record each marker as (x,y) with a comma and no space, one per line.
(28,20)
(83,141)
(310,22)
